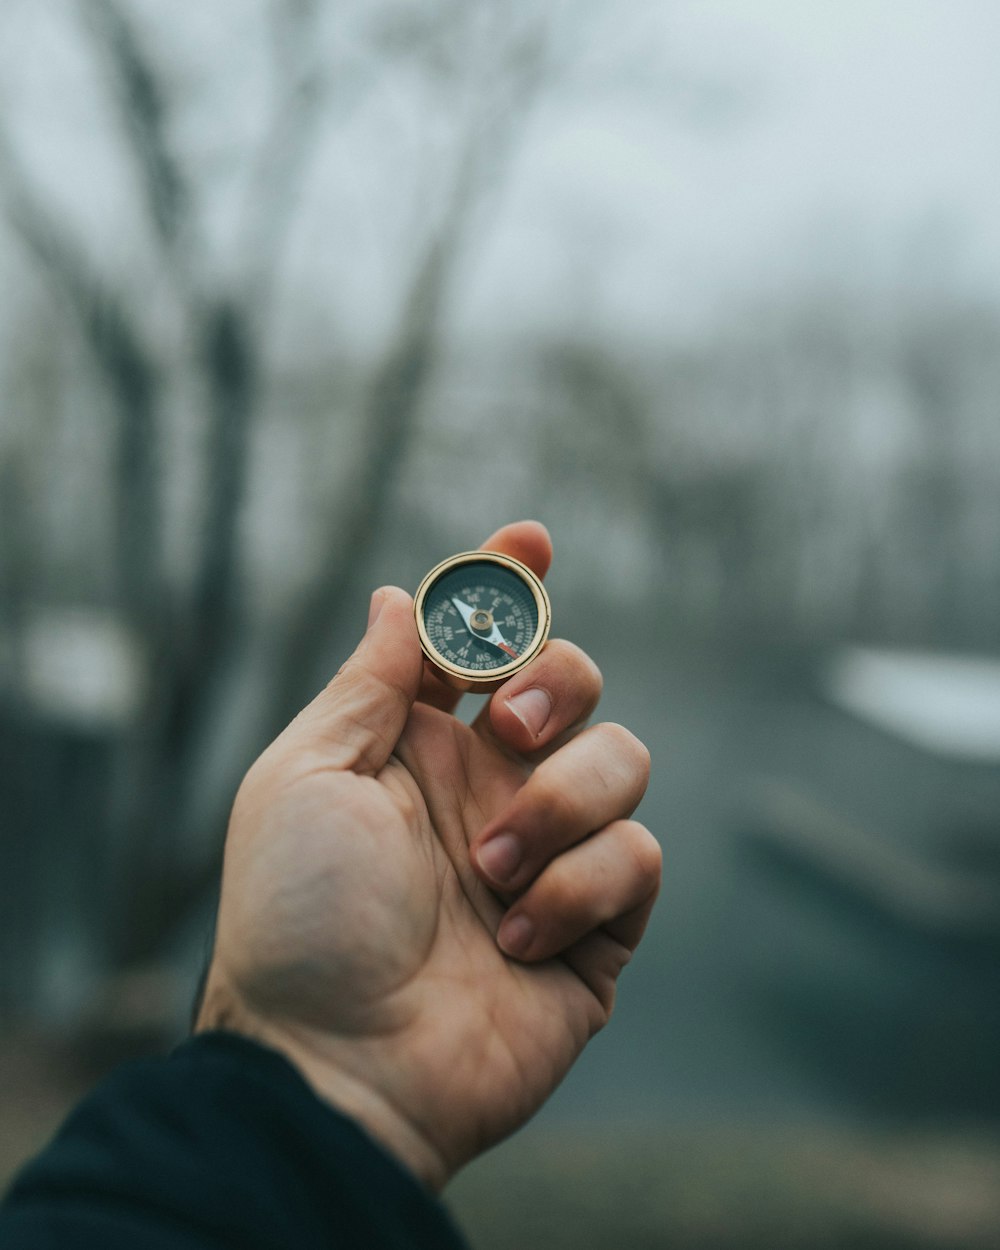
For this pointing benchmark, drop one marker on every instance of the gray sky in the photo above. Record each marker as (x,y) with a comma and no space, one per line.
(859,144)
(694,156)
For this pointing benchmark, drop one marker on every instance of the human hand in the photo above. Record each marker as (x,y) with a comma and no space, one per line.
(429,918)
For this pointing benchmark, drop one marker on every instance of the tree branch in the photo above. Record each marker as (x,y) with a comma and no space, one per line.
(281,160)
(128,370)
(142,108)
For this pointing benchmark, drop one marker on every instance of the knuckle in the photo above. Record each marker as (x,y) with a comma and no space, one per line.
(556,805)
(566,894)
(631,845)
(633,749)
(587,672)
(646,852)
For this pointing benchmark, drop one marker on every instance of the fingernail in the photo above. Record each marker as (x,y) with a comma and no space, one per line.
(375,607)
(515,935)
(500,858)
(532,708)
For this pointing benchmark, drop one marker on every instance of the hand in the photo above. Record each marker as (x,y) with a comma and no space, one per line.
(429,918)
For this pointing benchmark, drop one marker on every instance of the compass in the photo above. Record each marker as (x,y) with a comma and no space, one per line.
(481,617)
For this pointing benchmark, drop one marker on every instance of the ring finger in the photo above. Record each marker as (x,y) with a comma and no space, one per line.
(596,778)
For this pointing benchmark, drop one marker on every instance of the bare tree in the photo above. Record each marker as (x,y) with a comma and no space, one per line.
(195,631)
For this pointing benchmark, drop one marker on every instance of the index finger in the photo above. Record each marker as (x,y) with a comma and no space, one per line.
(527,541)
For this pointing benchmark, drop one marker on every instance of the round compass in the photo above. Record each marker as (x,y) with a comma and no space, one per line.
(481,617)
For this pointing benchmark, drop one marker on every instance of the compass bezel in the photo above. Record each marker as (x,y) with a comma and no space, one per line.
(465,679)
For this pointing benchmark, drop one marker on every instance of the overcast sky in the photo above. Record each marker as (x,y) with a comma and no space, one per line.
(855,141)
(692,157)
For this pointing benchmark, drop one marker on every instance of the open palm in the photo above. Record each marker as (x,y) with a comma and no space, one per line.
(434,989)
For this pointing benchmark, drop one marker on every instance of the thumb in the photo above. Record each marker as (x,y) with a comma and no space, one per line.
(357,720)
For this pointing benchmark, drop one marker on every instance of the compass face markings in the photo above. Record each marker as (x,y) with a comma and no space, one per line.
(480,585)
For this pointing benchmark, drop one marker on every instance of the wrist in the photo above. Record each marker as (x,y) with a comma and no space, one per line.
(335,1071)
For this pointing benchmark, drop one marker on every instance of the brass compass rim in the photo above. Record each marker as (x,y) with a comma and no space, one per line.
(455,675)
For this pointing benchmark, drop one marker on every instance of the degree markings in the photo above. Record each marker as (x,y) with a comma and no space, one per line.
(513,611)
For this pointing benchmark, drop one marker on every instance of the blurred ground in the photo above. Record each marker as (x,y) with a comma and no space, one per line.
(36,1090)
(780,1188)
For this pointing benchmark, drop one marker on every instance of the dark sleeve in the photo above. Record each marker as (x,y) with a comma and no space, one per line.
(222,1144)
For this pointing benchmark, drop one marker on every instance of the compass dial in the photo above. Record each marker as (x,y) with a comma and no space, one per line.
(481,617)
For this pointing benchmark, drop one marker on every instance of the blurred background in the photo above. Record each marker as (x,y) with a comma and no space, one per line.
(300,297)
